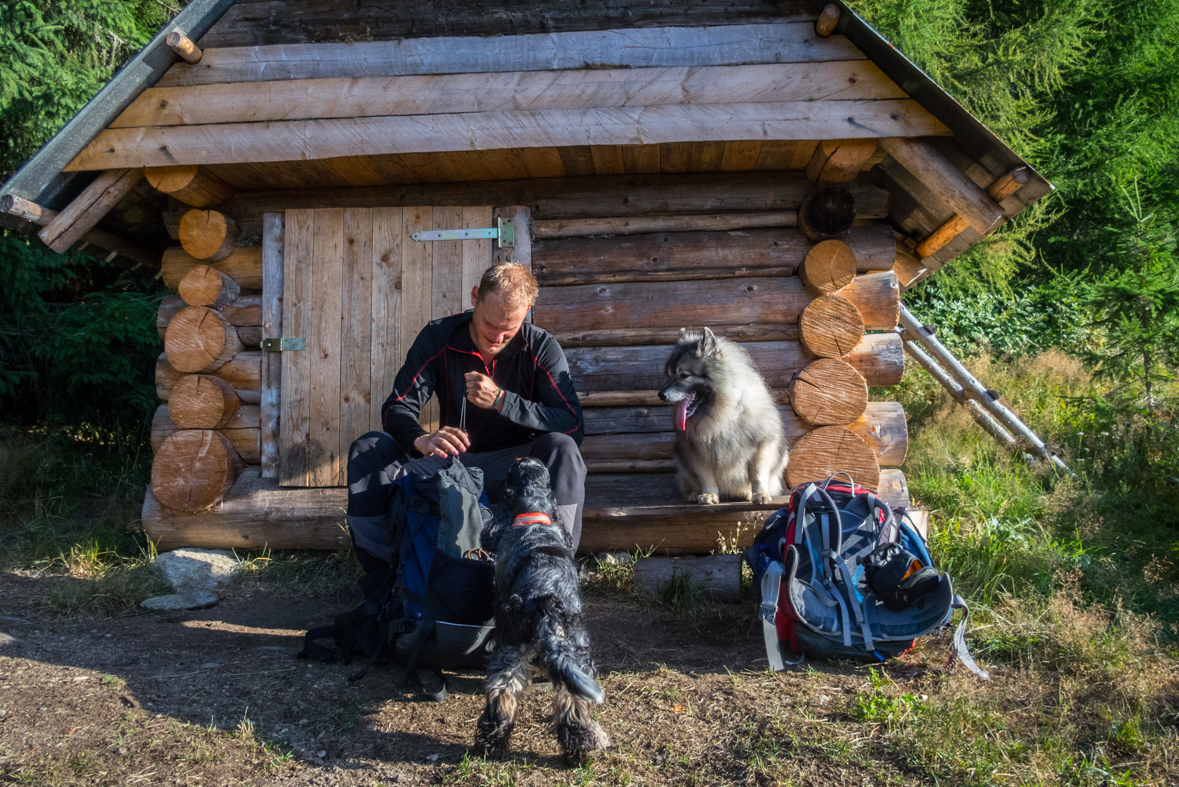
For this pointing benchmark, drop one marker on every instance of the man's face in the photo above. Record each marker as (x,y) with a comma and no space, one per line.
(493,323)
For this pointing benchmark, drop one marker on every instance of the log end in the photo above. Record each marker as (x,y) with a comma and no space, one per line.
(829,266)
(829,450)
(829,392)
(194,469)
(830,327)
(827,212)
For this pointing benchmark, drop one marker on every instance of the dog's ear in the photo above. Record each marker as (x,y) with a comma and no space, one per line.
(683,333)
(708,346)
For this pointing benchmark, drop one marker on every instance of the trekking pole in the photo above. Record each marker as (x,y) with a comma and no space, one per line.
(996,418)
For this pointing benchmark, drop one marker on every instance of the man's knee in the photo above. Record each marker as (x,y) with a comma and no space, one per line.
(371,445)
(372,462)
(554,447)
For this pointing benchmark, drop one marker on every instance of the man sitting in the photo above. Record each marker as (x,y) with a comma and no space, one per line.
(505,380)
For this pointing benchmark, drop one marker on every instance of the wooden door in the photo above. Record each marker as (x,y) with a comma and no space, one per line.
(357,289)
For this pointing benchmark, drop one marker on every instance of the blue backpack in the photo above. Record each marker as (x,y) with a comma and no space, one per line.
(842,578)
(430,602)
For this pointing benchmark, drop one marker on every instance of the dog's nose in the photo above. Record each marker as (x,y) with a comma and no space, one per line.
(663,395)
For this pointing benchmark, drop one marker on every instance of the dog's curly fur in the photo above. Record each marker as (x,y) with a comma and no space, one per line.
(538,622)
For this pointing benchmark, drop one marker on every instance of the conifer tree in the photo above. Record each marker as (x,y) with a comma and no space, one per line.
(1136,302)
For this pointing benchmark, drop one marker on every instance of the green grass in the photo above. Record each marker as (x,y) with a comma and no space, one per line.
(681,594)
(69,510)
(1072,582)
(300,573)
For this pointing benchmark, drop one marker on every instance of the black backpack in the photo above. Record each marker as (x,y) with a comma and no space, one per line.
(426,603)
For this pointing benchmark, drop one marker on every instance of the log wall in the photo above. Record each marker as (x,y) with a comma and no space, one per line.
(615,298)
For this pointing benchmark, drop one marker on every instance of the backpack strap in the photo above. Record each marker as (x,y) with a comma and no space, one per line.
(313,650)
(856,603)
(771,586)
(960,649)
(411,665)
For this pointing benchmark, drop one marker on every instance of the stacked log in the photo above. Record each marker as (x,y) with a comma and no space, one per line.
(208,431)
(200,401)
(189,184)
(208,234)
(830,327)
(205,286)
(244,314)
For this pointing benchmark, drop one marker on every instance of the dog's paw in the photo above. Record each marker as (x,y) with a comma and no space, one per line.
(706,499)
(580,743)
(761,498)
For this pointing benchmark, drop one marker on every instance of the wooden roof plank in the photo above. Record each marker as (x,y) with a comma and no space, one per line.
(250,102)
(320,139)
(785,42)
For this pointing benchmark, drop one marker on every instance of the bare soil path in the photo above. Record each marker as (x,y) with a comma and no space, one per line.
(216,697)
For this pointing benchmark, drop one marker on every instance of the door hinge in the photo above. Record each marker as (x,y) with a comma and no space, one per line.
(504,233)
(284,345)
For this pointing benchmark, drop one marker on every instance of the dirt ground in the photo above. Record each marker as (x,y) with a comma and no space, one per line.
(216,697)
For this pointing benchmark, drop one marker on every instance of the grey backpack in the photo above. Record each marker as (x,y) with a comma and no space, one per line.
(827,566)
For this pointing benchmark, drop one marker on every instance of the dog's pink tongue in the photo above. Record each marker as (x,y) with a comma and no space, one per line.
(681,414)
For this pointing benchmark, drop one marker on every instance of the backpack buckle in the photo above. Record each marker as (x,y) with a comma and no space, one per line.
(767,611)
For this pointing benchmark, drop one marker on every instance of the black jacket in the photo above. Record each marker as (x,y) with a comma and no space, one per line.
(538,389)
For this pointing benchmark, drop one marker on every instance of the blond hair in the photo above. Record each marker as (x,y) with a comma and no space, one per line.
(512,281)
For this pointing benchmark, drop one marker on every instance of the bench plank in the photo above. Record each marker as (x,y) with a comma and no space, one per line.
(645,512)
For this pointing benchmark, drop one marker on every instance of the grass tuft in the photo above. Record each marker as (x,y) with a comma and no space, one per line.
(681,594)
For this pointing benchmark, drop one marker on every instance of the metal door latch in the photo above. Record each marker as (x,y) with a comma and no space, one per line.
(284,345)
(504,233)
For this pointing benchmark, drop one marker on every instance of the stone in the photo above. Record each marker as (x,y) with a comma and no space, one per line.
(7,640)
(178,601)
(192,570)
(614,558)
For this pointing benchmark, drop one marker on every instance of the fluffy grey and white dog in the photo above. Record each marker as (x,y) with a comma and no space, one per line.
(730,442)
(538,622)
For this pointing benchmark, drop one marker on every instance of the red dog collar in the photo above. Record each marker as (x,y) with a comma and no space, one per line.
(531,518)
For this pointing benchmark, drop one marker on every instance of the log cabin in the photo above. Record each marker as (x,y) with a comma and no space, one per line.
(773,169)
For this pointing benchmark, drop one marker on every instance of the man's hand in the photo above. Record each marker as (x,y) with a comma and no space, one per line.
(483,392)
(445,442)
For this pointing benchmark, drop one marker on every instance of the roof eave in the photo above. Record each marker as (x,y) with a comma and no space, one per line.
(971,134)
(41,179)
